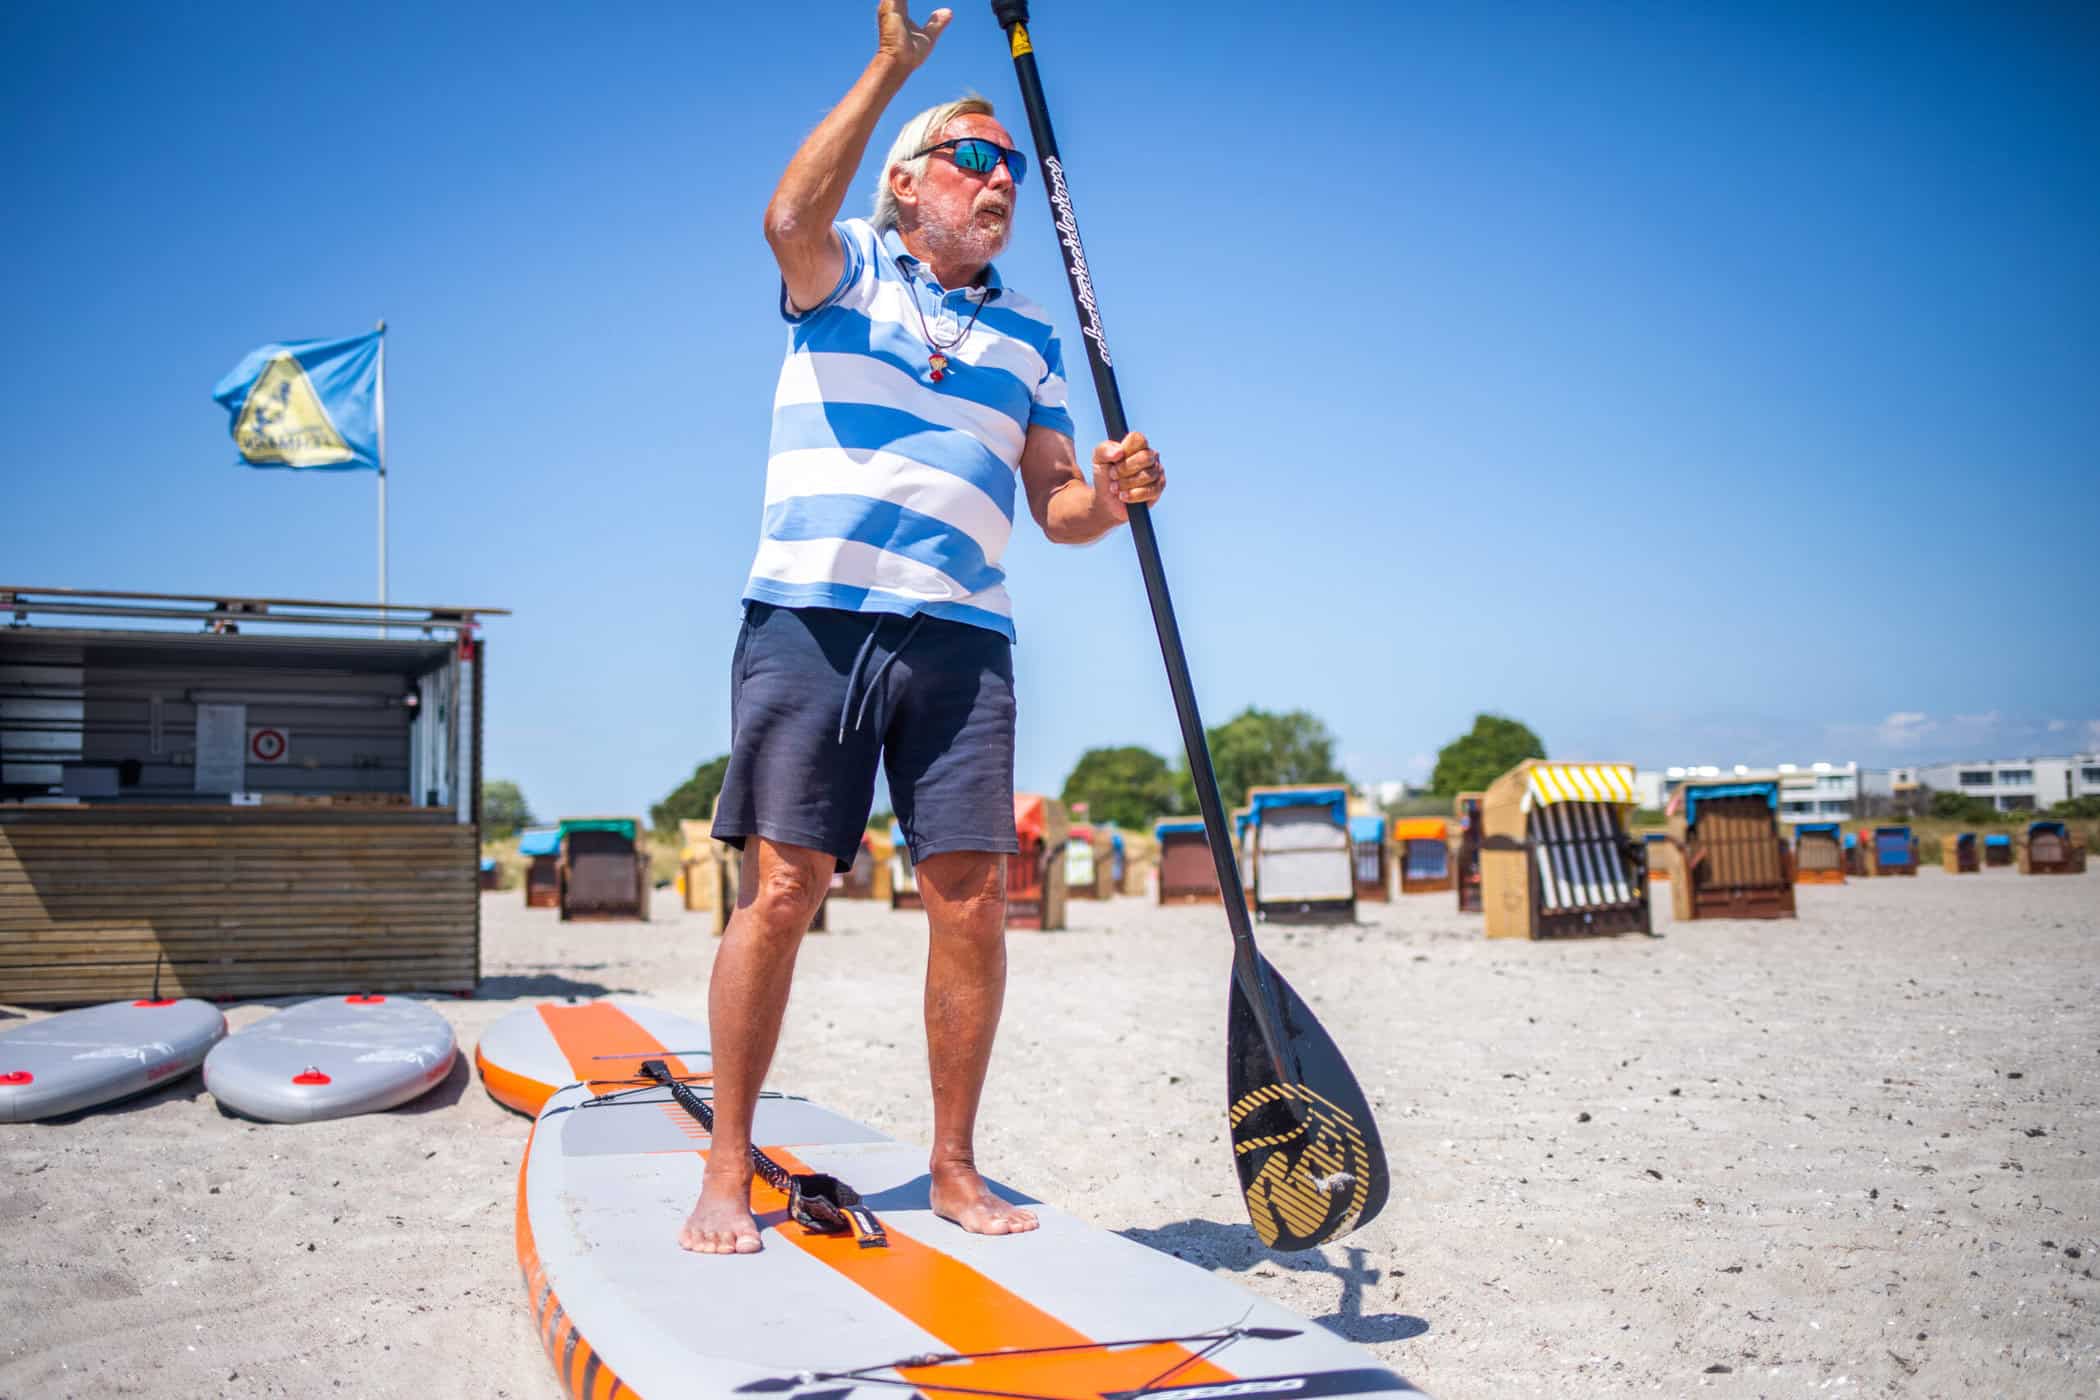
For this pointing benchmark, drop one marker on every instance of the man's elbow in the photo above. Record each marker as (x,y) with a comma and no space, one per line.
(1053,528)
(788,231)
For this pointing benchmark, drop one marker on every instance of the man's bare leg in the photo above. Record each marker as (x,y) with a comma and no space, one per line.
(778,892)
(965,894)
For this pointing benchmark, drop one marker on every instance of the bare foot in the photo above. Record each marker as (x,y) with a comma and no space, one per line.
(721,1222)
(960,1194)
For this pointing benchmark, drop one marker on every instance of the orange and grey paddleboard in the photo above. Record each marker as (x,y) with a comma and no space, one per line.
(1066,1312)
(533,1051)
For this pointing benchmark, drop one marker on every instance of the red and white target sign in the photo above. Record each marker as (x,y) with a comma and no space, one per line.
(269,744)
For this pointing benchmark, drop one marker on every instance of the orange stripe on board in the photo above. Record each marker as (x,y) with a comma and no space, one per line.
(586,1033)
(586,1376)
(947,1298)
(511,1089)
(936,1292)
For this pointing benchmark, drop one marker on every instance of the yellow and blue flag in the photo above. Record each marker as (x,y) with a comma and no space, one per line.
(307,404)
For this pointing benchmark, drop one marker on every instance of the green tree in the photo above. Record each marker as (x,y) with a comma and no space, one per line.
(692,800)
(1960,807)
(503,809)
(1128,785)
(1470,762)
(1257,748)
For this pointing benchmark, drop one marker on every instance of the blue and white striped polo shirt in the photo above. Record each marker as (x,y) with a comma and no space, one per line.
(888,492)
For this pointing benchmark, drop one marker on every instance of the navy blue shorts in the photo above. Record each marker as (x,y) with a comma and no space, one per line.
(818,696)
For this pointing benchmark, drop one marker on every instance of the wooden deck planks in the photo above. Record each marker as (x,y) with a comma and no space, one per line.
(94,906)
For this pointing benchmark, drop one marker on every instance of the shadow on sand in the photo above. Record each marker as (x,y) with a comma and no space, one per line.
(446,1092)
(186,1087)
(1212,1245)
(545,984)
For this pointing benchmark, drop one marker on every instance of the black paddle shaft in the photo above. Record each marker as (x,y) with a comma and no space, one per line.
(1247,963)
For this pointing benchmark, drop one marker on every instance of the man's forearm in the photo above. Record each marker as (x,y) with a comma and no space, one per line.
(813,190)
(1076,514)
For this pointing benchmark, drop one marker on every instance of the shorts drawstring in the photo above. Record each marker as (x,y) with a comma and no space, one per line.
(874,682)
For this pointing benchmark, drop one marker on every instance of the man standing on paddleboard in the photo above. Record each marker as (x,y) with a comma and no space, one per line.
(917,386)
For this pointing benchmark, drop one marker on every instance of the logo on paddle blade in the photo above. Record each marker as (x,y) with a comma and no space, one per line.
(1305,1164)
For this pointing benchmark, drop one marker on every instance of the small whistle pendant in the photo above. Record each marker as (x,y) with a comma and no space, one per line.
(938,364)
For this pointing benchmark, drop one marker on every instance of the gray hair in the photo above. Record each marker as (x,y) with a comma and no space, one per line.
(919,132)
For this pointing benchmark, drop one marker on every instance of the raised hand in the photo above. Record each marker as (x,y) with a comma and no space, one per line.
(899,39)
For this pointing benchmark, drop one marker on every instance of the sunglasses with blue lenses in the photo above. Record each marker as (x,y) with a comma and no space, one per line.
(979,156)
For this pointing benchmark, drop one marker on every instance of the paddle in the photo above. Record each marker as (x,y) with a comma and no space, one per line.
(1310,1163)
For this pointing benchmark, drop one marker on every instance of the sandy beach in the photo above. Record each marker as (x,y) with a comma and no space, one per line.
(1853,1152)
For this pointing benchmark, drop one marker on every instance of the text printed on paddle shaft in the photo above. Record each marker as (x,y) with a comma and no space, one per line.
(1082,280)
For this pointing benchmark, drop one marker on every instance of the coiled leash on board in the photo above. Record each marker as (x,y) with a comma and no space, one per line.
(819,1203)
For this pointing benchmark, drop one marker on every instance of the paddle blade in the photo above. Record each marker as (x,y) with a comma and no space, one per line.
(1310,1162)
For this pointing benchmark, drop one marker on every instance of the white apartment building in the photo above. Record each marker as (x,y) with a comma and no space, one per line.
(1808,792)
(1831,792)
(2016,784)
(1818,792)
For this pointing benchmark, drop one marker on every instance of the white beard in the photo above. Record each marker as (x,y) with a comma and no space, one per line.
(970,245)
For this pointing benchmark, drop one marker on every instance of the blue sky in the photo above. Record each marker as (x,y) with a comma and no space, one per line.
(1697,383)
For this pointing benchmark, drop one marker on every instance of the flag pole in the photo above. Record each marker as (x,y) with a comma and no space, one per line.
(381,406)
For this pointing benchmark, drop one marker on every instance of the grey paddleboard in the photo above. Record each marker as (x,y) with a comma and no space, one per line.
(529,1053)
(330,1058)
(1066,1312)
(77,1059)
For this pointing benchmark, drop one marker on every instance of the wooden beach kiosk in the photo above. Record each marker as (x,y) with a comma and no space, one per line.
(1888,850)
(1961,853)
(1819,854)
(1733,861)
(236,797)
(2049,848)
(1304,870)
(604,869)
(1997,849)
(1425,862)
(1035,878)
(1466,808)
(1556,859)
(1373,857)
(1186,873)
(540,848)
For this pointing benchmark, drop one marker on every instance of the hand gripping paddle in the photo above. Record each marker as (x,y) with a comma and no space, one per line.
(1310,1162)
